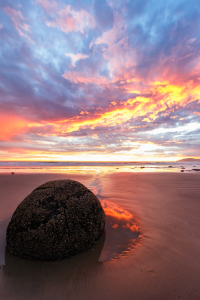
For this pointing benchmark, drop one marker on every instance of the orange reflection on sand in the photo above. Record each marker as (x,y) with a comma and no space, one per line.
(132,227)
(114,225)
(122,232)
(119,217)
(116,212)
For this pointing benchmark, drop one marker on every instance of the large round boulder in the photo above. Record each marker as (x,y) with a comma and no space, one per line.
(57,220)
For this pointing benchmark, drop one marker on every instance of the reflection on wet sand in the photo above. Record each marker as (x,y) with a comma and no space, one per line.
(122,232)
(122,228)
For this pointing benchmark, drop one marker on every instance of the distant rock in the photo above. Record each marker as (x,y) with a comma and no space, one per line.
(57,220)
(189,160)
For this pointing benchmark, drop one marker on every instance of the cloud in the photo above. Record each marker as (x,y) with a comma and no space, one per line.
(75,57)
(120,56)
(104,77)
(93,70)
(67,19)
(84,77)
(11,125)
(1,25)
(49,5)
(18,20)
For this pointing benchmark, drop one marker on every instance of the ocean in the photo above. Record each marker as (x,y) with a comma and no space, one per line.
(57,167)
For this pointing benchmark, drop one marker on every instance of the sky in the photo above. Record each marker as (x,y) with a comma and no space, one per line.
(99,80)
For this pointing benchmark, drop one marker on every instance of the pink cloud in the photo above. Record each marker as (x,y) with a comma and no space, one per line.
(17,18)
(49,5)
(121,57)
(68,20)
(78,77)
(1,25)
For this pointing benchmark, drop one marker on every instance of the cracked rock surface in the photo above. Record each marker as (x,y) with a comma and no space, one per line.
(58,219)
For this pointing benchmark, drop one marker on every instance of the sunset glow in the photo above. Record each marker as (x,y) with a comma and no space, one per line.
(99,80)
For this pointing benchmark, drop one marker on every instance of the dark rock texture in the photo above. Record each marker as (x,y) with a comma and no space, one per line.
(57,220)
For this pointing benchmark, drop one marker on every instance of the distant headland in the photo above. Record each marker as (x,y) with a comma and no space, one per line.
(189,160)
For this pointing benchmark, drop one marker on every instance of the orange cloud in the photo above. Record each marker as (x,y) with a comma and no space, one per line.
(10,126)
(162,99)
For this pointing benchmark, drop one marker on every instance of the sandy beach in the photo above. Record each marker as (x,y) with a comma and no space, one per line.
(163,261)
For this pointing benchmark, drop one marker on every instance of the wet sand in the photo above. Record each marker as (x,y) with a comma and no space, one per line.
(163,262)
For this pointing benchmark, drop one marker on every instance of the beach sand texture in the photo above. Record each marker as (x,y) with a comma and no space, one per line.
(164,262)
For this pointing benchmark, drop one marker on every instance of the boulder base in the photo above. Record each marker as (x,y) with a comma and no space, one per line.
(57,220)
